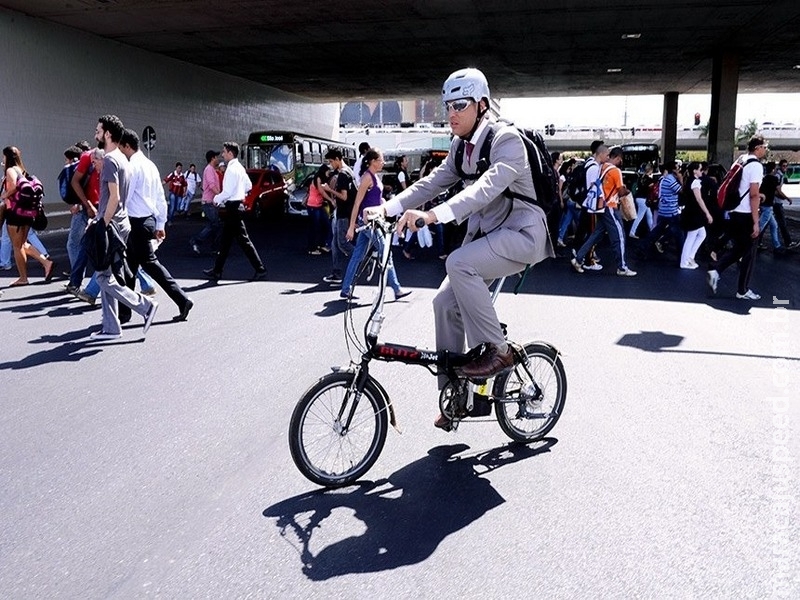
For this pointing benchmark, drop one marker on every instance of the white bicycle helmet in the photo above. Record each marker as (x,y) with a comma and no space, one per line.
(466,83)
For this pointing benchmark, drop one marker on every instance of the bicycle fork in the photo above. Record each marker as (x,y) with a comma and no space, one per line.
(353,397)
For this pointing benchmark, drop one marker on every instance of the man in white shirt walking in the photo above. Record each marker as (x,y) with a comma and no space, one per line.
(743,224)
(235,186)
(147,211)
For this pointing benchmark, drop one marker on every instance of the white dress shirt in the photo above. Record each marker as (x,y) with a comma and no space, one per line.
(235,184)
(145,191)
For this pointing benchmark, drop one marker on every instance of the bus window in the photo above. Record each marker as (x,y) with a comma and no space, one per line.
(282,157)
(306,152)
(635,156)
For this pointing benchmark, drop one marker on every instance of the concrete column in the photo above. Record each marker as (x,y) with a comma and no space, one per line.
(669,127)
(722,123)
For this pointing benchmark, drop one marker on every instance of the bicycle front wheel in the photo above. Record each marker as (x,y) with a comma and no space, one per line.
(530,398)
(337,434)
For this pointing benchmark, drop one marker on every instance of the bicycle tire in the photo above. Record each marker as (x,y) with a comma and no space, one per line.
(519,415)
(319,449)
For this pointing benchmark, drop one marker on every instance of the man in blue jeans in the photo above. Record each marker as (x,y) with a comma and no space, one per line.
(86,185)
(343,194)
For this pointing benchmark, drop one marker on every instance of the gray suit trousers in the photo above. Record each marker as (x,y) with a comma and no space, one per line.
(463,304)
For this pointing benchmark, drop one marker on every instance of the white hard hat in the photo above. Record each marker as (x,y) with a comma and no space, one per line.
(465,83)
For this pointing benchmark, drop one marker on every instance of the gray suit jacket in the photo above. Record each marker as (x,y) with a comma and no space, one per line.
(515,229)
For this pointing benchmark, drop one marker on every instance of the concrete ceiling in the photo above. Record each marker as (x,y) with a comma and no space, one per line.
(385,49)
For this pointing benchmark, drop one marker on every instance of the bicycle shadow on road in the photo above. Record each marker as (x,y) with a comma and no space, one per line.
(406,516)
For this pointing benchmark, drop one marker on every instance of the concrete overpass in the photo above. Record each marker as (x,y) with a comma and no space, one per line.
(403,49)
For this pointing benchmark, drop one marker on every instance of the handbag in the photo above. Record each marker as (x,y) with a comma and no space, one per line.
(627,207)
(40,220)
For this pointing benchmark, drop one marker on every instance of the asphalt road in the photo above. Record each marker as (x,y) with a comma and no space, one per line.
(160,467)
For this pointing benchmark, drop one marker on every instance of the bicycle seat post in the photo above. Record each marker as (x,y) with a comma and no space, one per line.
(498,287)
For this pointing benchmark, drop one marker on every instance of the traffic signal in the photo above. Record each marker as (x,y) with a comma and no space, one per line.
(551,129)
(696,119)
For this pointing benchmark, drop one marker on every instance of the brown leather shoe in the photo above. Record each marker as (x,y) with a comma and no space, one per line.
(490,363)
(443,422)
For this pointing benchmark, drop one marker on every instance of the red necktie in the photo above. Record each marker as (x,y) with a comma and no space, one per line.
(470,148)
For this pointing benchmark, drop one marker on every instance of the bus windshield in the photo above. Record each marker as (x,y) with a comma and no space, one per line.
(636,156)
(265,156)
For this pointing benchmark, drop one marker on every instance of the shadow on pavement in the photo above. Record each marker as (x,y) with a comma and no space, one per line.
(406,515)
(658,341)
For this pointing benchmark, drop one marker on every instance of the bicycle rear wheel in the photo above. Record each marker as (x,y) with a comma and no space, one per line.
(530,398)
(334,436)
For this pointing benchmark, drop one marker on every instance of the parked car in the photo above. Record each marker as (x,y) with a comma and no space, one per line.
(268,195)
(296,204)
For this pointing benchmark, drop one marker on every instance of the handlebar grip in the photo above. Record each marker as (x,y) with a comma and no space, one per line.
(420,223)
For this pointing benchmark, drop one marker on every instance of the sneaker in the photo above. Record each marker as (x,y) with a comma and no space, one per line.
(576,265)
(693,263)
(72,289)
(791,246)
(593,266)
(560,243)
(212,274)
(324,249)
(102,335)
(149,316)
(626,272)
(315,252)
(748,295)
(633,236)
(659,247)
(82,295)
(333,279)
(689,265)
(8,267)
(712,279)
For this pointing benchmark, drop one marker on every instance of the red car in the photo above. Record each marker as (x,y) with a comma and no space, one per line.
(268,196)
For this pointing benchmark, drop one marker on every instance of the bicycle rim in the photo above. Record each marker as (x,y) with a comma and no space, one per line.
(323,450)
(530,399)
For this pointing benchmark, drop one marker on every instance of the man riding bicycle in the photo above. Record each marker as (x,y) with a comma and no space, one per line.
(503,235)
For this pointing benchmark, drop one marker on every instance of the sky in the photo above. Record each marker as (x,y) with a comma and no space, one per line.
(633,111)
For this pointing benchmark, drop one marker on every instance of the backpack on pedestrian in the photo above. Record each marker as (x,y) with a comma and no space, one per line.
(543,174)
(27,202)
(65,189)
(728,196)
(576,185)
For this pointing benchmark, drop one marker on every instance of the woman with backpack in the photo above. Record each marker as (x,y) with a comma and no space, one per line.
(694,216)
(19,227)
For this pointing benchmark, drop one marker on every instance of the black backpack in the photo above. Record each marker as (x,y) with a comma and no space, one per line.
(576,185)
(543,175)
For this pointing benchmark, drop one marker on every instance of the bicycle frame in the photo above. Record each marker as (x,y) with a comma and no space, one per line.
(338,427)
(443,360)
